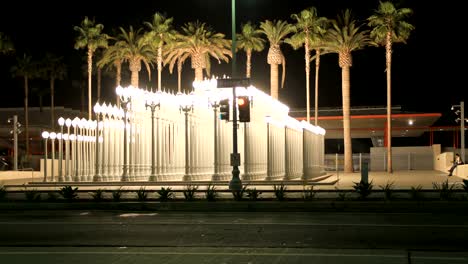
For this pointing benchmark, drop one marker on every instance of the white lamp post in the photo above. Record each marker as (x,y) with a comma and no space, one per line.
(186,105)
(52,136)
(45,136)
(68,123)
(97,111)
(61,122)
(75,129)
(125,101)
(153,101)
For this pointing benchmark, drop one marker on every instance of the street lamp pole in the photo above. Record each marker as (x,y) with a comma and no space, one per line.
(125,103)
(68,143)
(97,111)
(186,105)
(61,122)
(462,129)
(152,104)
(462,126)
(53,136)
(45,136)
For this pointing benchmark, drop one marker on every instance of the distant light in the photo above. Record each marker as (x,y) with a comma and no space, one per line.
(410,122)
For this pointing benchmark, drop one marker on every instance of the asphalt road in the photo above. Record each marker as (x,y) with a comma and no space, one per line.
(169,237)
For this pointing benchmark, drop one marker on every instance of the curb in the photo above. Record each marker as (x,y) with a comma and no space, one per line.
(458,207)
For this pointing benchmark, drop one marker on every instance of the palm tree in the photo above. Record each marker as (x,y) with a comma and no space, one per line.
(275,32)
(343,38)
(249,40)
(113,57)
(162,33)
(310,28)
(388,27)
(6,45)
(134,48)
(55,69)
(90,37)
(178,56)
(199,42)
(27,69)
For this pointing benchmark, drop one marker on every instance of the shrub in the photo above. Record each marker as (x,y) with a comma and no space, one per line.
(416,193)
(3,193)
(32,195)
(253,194)
(117,194)
(52,196)
(142,194)
(341,194)
(165,194)
(280,192)
(211,193)
(308,193)
(364,189)
(445,189)
(388,190)
(68,193)
(239,195)
(98,195)
(189,192)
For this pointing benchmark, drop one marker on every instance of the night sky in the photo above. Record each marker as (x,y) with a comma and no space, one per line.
(427,75)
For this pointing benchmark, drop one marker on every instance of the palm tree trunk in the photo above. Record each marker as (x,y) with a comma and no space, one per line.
(90,70)
(159,65)
(118,78)
(274,81)
(135,68)
(179,76)
(307,72)
(317,68)
(52,106)
(198,74)
(388,53)
(249,63)
(348,153)
(99,76)
(26,114)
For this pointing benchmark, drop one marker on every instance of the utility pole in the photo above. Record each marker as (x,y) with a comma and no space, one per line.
(462,129)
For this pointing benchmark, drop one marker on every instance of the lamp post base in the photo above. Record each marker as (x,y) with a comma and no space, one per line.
(153,177)
(235,184)
(97,178)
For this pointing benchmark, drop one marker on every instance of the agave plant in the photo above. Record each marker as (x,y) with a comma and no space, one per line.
(98,195)
(280,191)
(388,190)
(211,193)
(253,194)
(189,192)
(117,194)
(165,194)
(363,188)
(69,193)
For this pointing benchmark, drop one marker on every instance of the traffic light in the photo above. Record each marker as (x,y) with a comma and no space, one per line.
(224,109)
(243,103)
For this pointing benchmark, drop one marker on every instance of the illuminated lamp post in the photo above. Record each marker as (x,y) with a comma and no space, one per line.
(45,136)
(186,105)
(53,136)
(61,122)
(97,111)
(153,101)
(68,123)
(75,129)
(125,101)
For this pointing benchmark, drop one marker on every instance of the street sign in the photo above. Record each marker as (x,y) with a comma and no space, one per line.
(237,82)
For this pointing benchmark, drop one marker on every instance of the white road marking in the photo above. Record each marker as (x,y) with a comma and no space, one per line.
(135,215)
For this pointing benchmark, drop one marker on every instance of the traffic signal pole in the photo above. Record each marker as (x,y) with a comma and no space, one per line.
(235,184)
